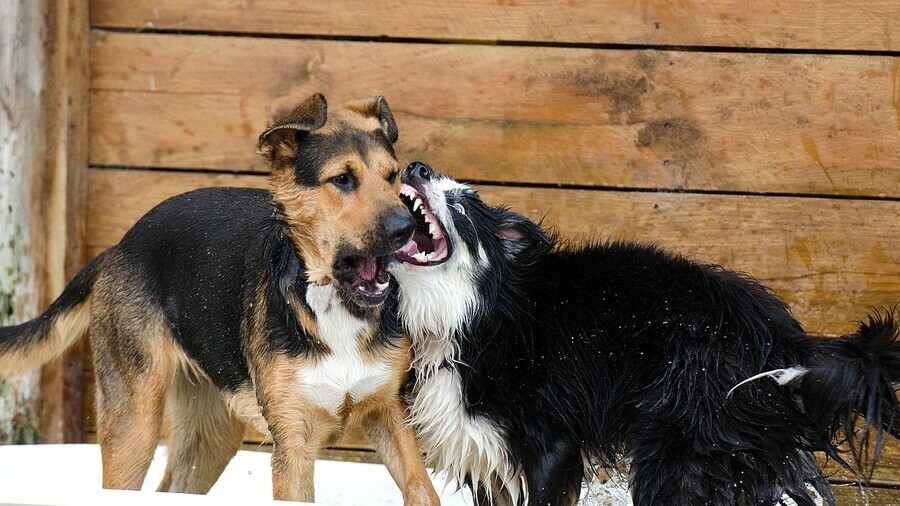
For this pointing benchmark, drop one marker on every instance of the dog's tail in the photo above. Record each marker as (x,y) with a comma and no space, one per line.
(848,390)
(26,346)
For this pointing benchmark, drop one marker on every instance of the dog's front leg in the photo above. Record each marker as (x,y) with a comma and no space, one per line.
(293,464)
(296,443)
(299,428)
(395,442)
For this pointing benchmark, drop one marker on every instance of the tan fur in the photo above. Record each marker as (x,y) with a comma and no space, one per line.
(307,321)
(383,417)
(322,218)
(244,405)
(66,329)
(203,434)
(298,427)
(131,385)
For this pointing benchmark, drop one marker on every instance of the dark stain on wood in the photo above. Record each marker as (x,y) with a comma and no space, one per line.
(623,90)
(672,135)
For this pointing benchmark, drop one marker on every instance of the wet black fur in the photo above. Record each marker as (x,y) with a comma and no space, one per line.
(621,349)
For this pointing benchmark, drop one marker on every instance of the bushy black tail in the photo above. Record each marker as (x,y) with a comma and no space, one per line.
(26,346)
(849,390)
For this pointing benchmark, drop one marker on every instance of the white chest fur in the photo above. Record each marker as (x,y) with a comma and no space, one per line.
(344,371)
(460,444)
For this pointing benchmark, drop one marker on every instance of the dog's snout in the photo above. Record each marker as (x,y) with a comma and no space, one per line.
(398,228)
(417,169)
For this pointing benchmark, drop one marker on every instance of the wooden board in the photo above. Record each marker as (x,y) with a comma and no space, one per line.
(24,180)
(67,154)
(635,119)
(810,24)
(850,495)
(830,259)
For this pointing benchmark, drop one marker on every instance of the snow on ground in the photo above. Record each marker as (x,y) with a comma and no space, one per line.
(70,475)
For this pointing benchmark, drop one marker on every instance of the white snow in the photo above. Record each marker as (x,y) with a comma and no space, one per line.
(71,475)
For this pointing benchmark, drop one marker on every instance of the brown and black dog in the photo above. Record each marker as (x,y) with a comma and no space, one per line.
(229,306)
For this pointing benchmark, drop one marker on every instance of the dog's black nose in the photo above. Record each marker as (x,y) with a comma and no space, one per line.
(417,169)
(398,228)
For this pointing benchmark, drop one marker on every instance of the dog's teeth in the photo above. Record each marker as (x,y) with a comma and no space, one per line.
(432,229)
(417,204)
(381,286)
(421,256)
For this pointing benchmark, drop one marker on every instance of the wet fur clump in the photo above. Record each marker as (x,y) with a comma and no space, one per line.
(618,351)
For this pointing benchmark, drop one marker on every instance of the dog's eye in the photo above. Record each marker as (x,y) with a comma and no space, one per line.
(392,177)
(344,182)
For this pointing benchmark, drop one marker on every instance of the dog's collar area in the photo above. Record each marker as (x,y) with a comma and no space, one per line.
(430,244)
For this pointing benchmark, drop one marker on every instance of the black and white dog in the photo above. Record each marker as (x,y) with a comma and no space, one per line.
(534,358)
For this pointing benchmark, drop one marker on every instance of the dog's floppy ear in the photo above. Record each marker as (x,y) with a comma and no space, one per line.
(517,233)
(377,107)
(283,138)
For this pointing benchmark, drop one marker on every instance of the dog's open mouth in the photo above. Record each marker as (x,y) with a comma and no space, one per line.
(429,244)
(369,282)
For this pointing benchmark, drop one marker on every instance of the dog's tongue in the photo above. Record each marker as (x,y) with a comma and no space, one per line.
(368,269)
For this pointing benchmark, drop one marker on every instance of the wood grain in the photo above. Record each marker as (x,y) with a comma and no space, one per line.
(25,180)
(850,495)
(766,123)
(830,259)
(65,204)
(809,24)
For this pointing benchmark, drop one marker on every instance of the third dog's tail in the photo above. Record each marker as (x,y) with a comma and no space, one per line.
(848,389)
(26,346)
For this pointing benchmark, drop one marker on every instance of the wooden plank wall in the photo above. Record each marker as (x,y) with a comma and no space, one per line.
(764,136)
(43,185)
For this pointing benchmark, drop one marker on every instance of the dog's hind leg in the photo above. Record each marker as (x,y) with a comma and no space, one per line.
(664,473)
(677,473)
(492,494)
(554,473)
(133,370)
(203,435)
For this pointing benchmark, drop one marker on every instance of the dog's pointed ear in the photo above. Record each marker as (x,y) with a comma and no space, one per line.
(377,107)
(283,138)
(517,233)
